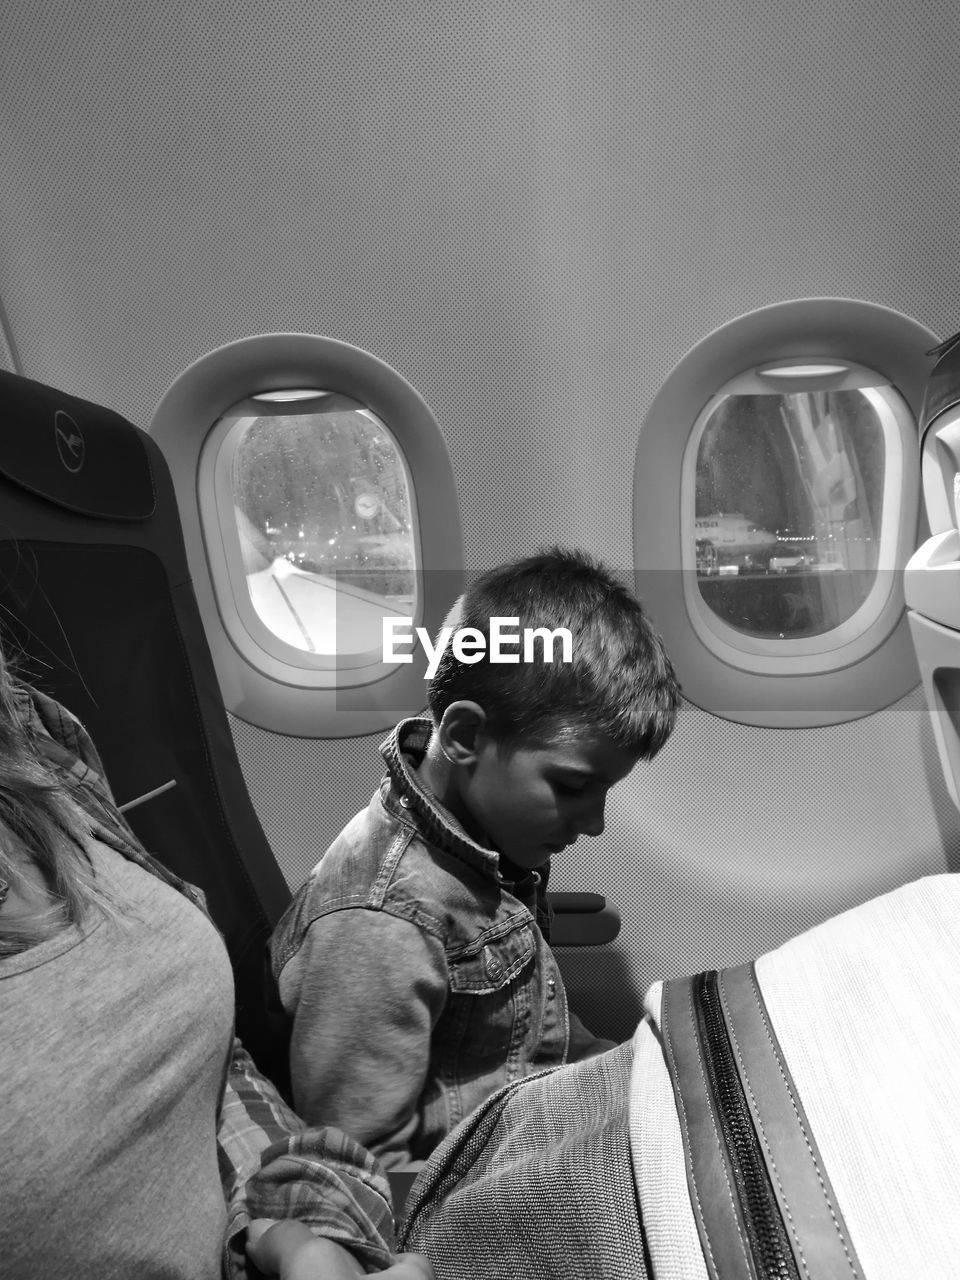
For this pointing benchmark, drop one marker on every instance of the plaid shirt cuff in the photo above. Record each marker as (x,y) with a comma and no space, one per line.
(274,1166)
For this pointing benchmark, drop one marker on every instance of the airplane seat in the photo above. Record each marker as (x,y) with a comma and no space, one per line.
(932,575)
(97,608)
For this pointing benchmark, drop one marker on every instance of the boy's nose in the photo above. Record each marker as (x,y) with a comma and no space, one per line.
(591,823)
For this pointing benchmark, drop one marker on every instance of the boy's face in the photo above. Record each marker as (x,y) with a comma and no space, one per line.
(531,803)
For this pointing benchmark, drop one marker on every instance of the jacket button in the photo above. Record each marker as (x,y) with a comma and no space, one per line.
(405,802)
(551,988)
(493,966)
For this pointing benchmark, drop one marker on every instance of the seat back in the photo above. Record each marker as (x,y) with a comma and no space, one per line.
(96,599)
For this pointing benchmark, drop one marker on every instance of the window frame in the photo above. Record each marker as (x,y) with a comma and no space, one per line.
(846,673)
(265,681)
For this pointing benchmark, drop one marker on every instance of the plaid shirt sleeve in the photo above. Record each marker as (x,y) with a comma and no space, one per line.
(272,1165)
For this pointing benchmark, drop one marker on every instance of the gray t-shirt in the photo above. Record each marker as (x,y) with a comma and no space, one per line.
(113,1040)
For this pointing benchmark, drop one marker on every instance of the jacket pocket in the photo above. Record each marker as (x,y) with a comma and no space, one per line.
(489,964)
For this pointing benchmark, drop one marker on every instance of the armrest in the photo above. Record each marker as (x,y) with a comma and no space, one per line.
(582,920)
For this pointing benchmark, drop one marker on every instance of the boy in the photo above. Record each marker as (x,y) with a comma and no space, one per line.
(414,963)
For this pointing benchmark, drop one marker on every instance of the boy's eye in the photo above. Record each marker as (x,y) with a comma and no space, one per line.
(569,788)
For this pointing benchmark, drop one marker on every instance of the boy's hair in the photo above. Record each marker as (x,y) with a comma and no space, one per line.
(620,682)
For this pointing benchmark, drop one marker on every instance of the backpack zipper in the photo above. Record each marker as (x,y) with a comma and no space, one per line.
(766,1235)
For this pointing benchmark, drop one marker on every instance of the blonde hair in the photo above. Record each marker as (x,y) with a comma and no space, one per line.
(41,826)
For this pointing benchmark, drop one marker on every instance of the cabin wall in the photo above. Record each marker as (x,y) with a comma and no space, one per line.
(532,212)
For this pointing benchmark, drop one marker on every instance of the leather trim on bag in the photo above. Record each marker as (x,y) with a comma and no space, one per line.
(709,1176)
(815,1228)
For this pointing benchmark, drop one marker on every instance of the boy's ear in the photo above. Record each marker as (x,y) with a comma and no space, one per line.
(460,732)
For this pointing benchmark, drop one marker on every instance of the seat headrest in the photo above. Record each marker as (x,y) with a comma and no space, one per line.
(942,390)
(72,453)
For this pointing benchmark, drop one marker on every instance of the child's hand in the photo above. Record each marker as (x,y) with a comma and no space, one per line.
(290,1251)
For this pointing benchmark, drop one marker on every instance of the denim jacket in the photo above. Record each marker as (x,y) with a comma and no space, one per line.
(414,972)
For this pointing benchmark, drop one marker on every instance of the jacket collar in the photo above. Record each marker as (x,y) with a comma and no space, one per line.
(403,752)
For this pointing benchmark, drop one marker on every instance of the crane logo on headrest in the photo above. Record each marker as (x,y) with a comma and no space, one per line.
(69,440)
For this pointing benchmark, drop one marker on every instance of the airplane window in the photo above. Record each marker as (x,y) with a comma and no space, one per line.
(317,501)
(776,503)
(790,493)
(324,520)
